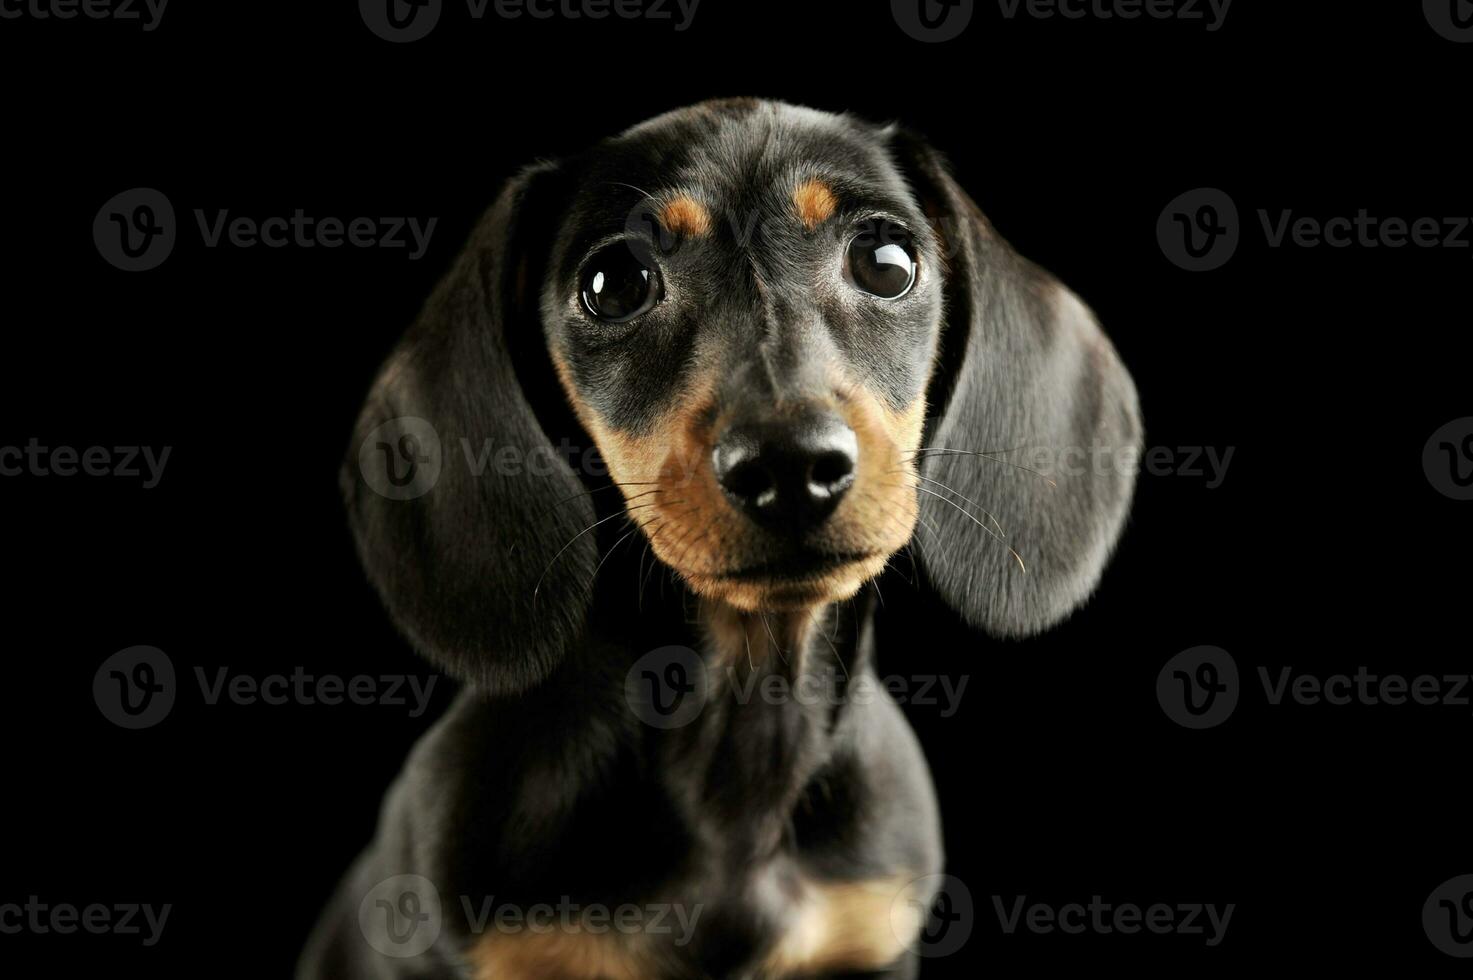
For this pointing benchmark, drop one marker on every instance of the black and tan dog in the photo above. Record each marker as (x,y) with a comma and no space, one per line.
(797,348)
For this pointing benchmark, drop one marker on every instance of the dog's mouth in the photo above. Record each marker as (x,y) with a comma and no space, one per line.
(797,580)
(796,568)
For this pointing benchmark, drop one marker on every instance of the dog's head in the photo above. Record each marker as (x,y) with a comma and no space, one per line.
(797,346)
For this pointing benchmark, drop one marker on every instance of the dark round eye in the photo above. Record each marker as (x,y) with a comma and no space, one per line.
(881,260)
(620,283)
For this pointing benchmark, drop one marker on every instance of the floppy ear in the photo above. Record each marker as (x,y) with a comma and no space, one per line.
(1027,378)
(458,502)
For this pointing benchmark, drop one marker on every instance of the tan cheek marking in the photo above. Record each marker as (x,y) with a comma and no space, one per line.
(684,520)
(815,203)
(908,425)
(859,925)
(882,509)
(561,955)
(684,215)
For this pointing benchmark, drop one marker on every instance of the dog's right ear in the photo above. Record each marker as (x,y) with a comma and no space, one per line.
(467,521)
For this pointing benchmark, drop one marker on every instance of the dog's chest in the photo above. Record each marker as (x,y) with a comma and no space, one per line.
(728,822)
(797,928)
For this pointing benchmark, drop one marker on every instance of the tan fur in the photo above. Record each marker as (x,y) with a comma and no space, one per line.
(666,479)
(559,955)
(684,215)
(815,202)
(848,926)
(835,926)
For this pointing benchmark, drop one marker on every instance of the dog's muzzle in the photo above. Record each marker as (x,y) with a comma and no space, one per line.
(787,474)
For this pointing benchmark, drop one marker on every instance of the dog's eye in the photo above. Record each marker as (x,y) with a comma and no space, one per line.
(881,260)
(619,284)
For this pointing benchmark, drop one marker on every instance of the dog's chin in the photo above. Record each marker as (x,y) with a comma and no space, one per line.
(790,586)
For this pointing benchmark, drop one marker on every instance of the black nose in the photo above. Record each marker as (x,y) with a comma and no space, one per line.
(787,474)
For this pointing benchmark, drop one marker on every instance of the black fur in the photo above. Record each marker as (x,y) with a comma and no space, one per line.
(541,783)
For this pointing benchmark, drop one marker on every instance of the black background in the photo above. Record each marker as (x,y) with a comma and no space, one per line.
(1061,778)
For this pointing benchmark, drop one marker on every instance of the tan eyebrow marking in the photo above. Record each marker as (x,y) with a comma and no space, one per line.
(684,215)
(815,203)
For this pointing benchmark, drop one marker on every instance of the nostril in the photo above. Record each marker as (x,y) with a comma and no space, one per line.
(831,471)
(750,482)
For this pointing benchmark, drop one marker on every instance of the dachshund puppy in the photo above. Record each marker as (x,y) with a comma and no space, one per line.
(765,348)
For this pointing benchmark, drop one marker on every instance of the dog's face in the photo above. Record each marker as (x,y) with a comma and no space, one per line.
(751,310)
(746,327)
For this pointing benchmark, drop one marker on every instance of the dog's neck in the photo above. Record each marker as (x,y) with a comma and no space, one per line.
(776,687)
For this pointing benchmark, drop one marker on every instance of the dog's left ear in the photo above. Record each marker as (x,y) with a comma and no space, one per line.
(468,521)
(1028,380)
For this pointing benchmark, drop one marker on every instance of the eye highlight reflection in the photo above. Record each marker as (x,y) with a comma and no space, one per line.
(619,284)
(881,260)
